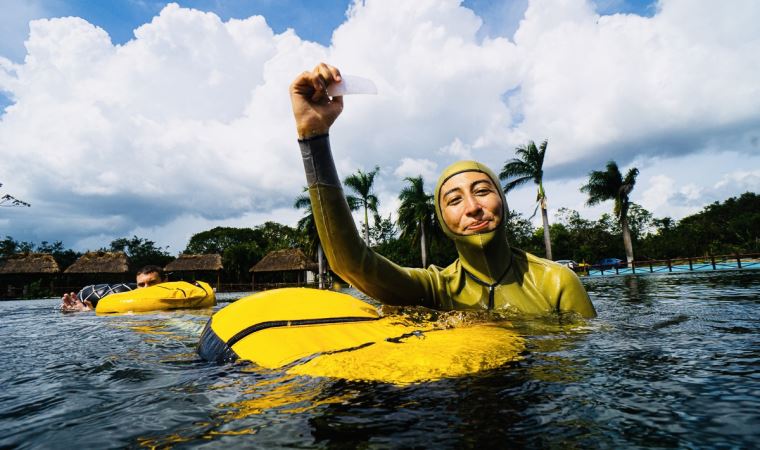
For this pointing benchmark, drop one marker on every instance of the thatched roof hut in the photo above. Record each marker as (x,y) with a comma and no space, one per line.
(191,264)
(196,263)
(291,264)
(30,263)
(288,260)
(100,262)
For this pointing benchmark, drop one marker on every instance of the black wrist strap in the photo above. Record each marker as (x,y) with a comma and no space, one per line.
(318,161)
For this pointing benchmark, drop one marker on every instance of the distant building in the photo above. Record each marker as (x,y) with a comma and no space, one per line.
(283,267)
(99,267)
(191,267)
(19,272)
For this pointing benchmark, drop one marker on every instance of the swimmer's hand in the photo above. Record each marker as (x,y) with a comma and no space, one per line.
(70,303)
(313,108)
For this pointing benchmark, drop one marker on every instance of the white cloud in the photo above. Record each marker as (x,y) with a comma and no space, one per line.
(658,192)
(177,233)
(189,124)
(741,180)
(417,167)
(457,149)
(14,27)
(623,85)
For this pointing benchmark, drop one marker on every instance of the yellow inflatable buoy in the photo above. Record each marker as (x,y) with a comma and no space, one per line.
(171,295)
(324,333)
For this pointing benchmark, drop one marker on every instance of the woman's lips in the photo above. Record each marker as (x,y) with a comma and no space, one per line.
(477,226)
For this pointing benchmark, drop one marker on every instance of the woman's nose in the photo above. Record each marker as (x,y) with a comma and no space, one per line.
(472,206)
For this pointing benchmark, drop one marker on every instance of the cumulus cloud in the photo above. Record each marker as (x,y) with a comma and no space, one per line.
(13,25)
(624,85)
(189,122)
(425,168)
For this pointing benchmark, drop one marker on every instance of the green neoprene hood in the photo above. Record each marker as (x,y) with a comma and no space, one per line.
(486,255)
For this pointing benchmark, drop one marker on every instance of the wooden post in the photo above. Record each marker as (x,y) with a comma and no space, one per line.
(670,266)
(691,267)
(712,259)
(651,270)
(738,261)
(218,279)
(253,278)
(321,267)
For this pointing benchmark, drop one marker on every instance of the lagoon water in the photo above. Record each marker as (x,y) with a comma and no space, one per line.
(671,361)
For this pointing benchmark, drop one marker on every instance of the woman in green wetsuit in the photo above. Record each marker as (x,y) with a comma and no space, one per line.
(470,206)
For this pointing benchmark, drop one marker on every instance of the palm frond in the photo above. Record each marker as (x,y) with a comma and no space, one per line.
(515,183)
(416,209)
(354,203)
(527,166)
(535,210)
(303,200)
(515,168)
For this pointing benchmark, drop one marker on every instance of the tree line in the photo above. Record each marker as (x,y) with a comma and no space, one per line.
(414,238)
(728,227)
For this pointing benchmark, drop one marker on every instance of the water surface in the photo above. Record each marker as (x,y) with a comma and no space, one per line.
(671,361)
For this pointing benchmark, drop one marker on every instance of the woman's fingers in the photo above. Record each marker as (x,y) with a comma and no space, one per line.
(323,75)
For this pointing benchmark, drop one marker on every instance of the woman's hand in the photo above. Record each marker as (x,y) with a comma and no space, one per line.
(313,109)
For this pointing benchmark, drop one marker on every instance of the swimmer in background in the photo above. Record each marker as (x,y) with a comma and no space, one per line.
(147,276)
(471,209)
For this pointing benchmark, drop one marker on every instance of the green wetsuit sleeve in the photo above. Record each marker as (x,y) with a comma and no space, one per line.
(572,294)
(348,255)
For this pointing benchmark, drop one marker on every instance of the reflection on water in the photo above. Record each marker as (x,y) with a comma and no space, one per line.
(671,361)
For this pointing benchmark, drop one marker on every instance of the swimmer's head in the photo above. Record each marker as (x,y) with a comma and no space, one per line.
(149,276)
(469,200)
(471,209)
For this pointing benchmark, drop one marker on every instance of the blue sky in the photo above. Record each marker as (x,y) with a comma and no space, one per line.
(188,126)
(120,17)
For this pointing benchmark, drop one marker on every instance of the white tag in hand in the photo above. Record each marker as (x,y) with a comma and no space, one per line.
(351,84)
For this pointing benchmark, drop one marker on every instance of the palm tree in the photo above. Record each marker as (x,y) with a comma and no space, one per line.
(416,213)
(308,227)
(8,200)
(529,166)
(361,184)
(610,185)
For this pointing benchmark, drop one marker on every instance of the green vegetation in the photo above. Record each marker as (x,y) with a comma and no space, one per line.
(609,184)
(63,256)
(728,227)
(307,229)
(361,184)
(140,252)
(529,166)
(720,228)
(416,214)
(241,248)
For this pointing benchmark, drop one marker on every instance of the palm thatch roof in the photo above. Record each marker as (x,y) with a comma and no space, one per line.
(30,263)
(100,262)
(290,259)
(195,263)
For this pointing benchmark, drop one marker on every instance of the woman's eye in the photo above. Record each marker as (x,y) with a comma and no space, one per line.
(454,201)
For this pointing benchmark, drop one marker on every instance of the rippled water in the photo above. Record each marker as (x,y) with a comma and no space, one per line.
(671,361)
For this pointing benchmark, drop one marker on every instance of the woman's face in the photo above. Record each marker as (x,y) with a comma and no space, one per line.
(471,203)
